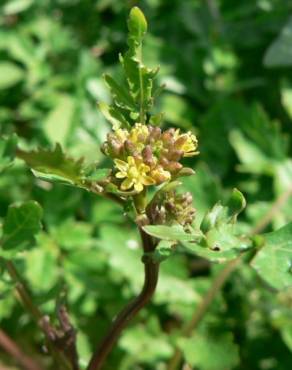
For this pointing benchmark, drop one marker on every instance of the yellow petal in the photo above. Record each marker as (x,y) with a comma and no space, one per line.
(131,161)
(127,184)
(121,175)
(138,186)
(147,180)
(121,165)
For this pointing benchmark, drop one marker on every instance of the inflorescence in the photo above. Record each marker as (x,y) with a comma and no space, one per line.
(145,155)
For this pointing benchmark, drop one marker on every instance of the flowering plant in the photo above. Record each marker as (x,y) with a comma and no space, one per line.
(147,162)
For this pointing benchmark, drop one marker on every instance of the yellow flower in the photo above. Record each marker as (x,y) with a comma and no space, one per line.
(121,135)
(139,135)
(188,143)
(160,175)
(134,171)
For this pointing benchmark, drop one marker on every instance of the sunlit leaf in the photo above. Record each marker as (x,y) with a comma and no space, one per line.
(54,165)
(10,75)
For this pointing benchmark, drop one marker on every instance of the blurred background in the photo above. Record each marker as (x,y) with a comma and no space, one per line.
(227,69)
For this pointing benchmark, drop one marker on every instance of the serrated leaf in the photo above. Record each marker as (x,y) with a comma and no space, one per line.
(210,352)
(273,262)
(120,95)
(54,165)
(20,225)
(139,77)
(113,115)
(7,151)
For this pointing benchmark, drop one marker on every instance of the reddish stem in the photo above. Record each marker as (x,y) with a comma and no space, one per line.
(130,311)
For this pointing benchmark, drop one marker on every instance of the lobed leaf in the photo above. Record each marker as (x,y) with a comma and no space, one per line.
(54,165)
(113,115)
(273,262)
(20,225)
(120,95)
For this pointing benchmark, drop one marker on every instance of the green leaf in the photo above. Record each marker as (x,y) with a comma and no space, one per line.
(220,256)
(171,233)
(156,119)
(163,250)
(120,95)
(54,165)
(58,123)
(279,53)
(98,174)
(113,115)
(224,214)
(150,346)
(16,6)
(7,151)
(20,225)
(236,203)
(10,74)
(210,352)
(273,262)
(139,77)
(137,24)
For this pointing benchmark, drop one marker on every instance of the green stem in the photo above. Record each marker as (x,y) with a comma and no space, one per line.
(142,113)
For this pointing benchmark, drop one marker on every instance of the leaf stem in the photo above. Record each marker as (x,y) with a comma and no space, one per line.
(151,271)
(12,348)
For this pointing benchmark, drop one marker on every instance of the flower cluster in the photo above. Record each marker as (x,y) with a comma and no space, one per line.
(145,155)
(169,208)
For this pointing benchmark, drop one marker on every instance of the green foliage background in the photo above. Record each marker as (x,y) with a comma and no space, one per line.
(227,69)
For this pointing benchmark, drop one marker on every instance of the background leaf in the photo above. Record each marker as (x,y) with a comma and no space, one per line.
(20,225)
(273,261)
